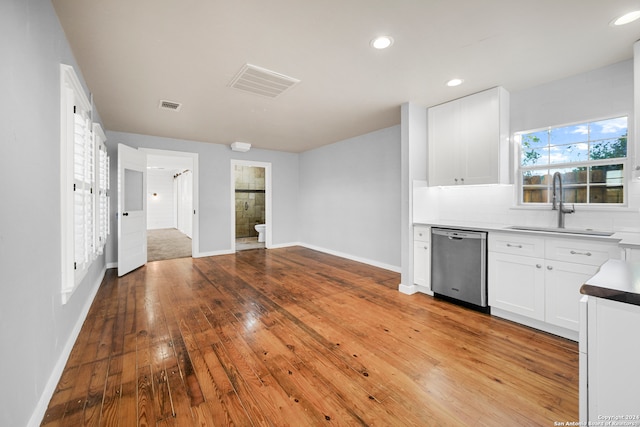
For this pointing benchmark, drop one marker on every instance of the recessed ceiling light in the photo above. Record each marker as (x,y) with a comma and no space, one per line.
(454,82)
(626,18)
(382,42)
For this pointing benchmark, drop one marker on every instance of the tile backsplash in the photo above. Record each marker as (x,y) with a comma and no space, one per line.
(496,204)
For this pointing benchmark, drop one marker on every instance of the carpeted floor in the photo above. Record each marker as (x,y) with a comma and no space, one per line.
(167,243)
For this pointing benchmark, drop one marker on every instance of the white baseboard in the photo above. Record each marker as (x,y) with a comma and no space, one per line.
(213,253)
(407,289)
(413,289)
(285,245)
(54,378)
(112,265)
(389,267)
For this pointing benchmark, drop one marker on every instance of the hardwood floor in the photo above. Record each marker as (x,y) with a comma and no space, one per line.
(296,337)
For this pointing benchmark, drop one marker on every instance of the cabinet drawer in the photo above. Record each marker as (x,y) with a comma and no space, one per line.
(516,244)
(421,234)
(581,251)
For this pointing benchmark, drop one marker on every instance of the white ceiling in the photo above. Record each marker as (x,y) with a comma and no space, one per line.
(135,53)
(168,163)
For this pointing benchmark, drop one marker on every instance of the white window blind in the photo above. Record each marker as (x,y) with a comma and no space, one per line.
(83,183)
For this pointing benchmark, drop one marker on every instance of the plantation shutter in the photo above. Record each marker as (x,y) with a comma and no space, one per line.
(102,184)
(83,182)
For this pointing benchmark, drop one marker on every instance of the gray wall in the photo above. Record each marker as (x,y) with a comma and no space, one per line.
(34,325)
(215,188)
(600,93)
(350,197)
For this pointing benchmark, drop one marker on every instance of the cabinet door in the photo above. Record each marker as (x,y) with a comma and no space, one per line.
(632,254)
(422,264)
(468,139)
(516,284)
(563,281)
(480,138)
(613,348)
(443,142)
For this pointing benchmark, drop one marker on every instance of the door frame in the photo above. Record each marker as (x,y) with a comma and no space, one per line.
(195,226)
(267,199)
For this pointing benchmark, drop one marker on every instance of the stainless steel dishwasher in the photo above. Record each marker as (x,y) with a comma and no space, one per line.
(459,265)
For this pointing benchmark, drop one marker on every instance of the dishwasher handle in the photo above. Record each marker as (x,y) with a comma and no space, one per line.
(459,234)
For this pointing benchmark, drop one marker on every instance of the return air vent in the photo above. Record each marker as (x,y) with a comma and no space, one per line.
(170,105)
(261,81)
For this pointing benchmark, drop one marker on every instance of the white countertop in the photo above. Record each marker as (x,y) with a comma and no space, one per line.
(623,238)
(616,280)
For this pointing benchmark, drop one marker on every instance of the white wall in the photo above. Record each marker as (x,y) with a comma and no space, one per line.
(215,186)
(350,197)
(36,330)
(414,160)
(161,211)
(600,93)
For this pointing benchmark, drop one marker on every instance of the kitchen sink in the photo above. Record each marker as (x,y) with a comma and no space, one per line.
(587,232)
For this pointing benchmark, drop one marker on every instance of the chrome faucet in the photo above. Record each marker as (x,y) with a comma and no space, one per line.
(557,203)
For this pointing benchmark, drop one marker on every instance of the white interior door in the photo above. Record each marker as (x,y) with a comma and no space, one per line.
(132,209)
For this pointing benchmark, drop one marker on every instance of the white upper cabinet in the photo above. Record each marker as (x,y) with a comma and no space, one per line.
(469,140)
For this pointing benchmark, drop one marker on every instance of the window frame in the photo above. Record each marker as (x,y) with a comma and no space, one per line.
(626,163)
(80,244)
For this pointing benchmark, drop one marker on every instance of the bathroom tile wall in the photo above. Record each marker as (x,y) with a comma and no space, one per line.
(250,205)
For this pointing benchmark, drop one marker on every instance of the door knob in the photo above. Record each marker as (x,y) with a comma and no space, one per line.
(125,214)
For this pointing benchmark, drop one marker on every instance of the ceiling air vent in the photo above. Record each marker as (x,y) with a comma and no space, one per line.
(261,81)
(170,105)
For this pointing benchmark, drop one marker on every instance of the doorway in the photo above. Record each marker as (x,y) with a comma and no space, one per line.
(251,205)
(171,201)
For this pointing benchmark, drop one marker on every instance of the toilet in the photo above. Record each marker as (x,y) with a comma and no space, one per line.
(261,229)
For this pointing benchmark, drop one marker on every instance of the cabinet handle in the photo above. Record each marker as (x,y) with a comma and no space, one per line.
(425,248)
(462,179)
(538,266)
(580,253)
(455,180)
(509,245)
(549,267)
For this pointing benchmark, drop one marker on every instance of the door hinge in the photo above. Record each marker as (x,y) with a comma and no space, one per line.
(74,187)
(75,266)
(74,109)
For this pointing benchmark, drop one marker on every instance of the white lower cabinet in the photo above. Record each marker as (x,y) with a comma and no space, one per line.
(562,292)
(610,389)
(422,257)
(540,277)
(516,284)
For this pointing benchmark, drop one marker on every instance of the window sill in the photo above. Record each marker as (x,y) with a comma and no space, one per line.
(580,208)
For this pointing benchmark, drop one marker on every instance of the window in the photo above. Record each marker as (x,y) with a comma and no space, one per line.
(84,182)
(591,157)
